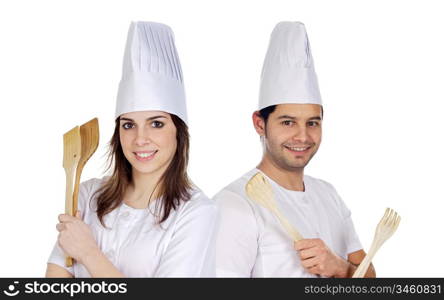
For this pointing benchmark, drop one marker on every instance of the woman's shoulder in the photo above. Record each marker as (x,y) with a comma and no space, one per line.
(94,182)
(198,200)
(87,190)
(198,209)
(91,185)
(197,195)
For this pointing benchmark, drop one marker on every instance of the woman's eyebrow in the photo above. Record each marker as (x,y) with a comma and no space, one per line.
(155,117)
(126,119)
(148,119)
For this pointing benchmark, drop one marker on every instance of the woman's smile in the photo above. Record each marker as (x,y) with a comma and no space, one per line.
(145,155)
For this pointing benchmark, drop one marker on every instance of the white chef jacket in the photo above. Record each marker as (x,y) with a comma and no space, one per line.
(252,243)
(181,246)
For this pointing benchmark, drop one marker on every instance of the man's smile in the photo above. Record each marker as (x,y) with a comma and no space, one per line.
(298,150)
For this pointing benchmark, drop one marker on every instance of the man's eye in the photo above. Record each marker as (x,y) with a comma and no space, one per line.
(287,123)
(128,125)
(157,124)
(313,124)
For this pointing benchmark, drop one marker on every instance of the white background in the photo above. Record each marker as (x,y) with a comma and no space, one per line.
(380,67)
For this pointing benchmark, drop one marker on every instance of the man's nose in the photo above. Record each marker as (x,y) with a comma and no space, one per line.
(300,133)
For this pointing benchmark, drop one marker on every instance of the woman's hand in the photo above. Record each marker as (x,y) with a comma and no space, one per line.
(75,237)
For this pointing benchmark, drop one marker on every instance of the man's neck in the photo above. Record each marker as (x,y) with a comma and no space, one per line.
(290,180)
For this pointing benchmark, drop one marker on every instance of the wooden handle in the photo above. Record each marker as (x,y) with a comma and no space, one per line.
(69,193)
(363,266)
(69,204)
(294,234)
(75,195)
(69,261)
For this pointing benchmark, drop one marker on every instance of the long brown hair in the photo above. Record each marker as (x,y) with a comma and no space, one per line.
(174,185)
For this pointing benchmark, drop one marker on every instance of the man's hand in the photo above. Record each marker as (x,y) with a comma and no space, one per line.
(318,259)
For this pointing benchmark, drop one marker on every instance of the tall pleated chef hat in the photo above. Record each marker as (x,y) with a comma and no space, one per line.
(288,74)
(151,76)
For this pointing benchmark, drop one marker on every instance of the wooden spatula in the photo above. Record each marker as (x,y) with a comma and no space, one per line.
(259,190)
(72,147)
(89,133)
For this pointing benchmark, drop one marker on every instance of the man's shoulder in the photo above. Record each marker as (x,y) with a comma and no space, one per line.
(319,183)
(236,189)
(323,190)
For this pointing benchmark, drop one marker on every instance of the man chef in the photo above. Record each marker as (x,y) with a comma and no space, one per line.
(251,242)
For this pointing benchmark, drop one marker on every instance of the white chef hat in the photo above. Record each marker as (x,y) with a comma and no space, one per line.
(288,74)
(151,76)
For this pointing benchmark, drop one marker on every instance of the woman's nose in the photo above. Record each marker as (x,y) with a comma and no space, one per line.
(142,137)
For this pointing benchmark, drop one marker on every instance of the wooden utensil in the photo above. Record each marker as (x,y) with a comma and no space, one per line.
(89,133)
(71,156)
(385,229)
(259,190)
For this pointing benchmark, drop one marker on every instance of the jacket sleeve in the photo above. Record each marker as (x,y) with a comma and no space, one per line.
(237,238)
(191,251)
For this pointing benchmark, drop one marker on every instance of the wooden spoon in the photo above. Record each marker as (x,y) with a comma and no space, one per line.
(72,146)
(259,190)
(89,133)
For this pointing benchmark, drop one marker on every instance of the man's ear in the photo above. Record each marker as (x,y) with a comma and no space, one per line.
(258,123)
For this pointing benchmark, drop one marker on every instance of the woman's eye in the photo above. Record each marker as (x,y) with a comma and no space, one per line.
(128,125)
(157,124)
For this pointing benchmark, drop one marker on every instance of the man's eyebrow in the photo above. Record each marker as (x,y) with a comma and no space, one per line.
(148,119)
(287,117)
(315,118)
(294,118)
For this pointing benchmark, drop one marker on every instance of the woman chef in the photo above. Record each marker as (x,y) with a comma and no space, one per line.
(146,219)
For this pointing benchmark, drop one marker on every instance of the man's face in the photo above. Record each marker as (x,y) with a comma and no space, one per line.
(293,134)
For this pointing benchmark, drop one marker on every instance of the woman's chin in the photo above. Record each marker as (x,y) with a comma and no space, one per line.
(148,169)
(144,170)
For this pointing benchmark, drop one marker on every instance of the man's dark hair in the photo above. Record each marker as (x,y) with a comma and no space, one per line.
(265,112)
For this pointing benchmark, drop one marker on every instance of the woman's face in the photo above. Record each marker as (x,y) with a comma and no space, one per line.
(148,140)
